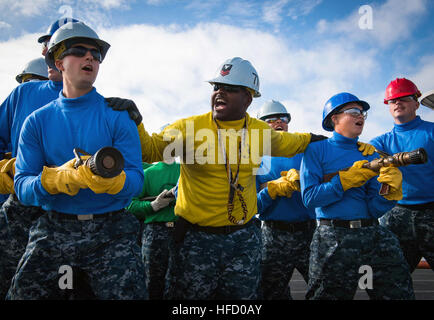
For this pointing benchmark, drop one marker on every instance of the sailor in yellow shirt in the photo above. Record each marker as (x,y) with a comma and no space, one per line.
(219,242)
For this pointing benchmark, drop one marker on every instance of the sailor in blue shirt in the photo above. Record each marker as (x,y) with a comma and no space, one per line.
(15,218)
(412,219)
(85,226)
(288,225)
(348,238)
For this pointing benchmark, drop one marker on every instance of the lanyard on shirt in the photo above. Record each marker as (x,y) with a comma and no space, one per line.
(234,186)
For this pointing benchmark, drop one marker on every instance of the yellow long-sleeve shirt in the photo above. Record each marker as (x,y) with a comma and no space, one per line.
(203,184)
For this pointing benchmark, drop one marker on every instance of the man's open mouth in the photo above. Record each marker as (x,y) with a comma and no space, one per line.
(87,68)
(219,104)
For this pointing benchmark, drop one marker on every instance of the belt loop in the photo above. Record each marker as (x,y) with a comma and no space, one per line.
(85,217)
(355,224)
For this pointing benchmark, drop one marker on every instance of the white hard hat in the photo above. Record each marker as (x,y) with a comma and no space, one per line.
(238,72)
(272,107)
(73,31)
(36,67)
(428,99)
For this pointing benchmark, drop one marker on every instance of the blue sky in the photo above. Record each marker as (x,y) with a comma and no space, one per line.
(163,51)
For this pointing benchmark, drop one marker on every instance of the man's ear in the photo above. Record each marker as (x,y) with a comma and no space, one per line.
(59,65)
(333,120)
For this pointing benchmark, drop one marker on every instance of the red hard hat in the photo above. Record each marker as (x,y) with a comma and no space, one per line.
(400,87)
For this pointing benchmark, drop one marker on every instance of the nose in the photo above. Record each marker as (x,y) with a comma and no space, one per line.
(88,55)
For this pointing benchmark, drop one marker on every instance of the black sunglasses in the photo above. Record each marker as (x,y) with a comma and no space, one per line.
(80,51)
(227,87)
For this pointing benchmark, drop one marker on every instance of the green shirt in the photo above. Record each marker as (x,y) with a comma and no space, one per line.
(158,177)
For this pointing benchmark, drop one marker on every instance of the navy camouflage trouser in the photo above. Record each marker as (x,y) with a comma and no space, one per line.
(158,253)
(282,252)
(337,255)
(15,222)
(104,250)
(415,232)
(219,266)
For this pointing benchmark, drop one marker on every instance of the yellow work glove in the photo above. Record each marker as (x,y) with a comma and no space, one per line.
(356,176)
(285,185)
(63,179)
(391,176)
(8,168)
(6,181)
(366,149)
(99,184)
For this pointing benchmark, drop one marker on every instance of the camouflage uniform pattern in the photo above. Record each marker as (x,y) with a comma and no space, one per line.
(338,253)
(415,232)
(158,253)
(15,222)
(282,252)
(104,250)
(219,266)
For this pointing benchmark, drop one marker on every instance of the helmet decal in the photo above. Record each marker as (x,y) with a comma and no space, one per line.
(225,69)
(256,79)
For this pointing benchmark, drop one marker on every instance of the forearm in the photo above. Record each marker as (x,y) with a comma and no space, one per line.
(133,184)
(323,194)
(287,144)
(264,200)
(30,191)
(140,209)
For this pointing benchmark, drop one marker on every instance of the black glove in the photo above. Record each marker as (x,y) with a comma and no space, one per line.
(317,137)
(120,104)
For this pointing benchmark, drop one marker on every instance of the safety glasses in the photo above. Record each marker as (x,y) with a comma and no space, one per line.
(227,87)
(274,119)
(80,51)
(355,113)
(404,99)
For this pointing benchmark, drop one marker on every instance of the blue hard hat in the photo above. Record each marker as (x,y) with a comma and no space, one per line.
(54,26)
(337,102)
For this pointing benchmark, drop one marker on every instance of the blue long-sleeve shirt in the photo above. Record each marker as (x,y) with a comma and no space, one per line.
(282,208)
(329,199)
(21,102)
(48,138)
(418,180)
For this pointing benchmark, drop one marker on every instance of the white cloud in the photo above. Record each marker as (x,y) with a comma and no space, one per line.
(111,4)
(273,11)
(16,57)
(24,7)
(302,8)
(424,80)
(4,25)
